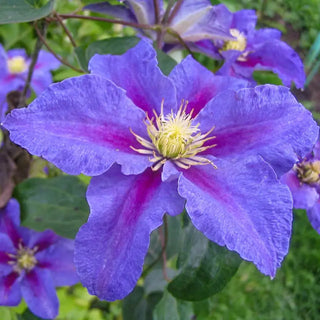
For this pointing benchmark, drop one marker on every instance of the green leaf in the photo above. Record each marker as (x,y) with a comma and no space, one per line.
(134,305)
(165,62)
(58,203)
(13,11)
(173,309)
(111,46)
(28,315)
(205,267)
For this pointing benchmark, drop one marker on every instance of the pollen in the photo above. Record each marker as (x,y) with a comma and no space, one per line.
(239,44)
(24,259)
(17,64)
(308,172)
(174,137)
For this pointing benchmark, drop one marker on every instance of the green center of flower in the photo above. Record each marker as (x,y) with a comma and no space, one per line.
(17,65)
(308,172)
(174,137)
(239,44)
(24,259)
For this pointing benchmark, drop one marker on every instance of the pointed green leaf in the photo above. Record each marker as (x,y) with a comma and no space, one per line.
(13,11)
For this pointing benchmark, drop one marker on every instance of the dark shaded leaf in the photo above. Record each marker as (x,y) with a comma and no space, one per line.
(58,203)
(205,267)
(173,309)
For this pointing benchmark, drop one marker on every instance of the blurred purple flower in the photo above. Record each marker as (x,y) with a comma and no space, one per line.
(14,66)
(155,144)
(255,50)
(304,183)
(193,20)
(32,264)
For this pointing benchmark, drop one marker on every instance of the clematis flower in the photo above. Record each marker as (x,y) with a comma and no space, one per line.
(32,264)
(192,20)
(14,66)
(304,183)
(155,144)
(254,49)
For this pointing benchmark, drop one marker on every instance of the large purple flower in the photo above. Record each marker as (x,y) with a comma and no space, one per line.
(154,143)
(255,50)
(192,20)
(32,264)
(14,66)
(304,183)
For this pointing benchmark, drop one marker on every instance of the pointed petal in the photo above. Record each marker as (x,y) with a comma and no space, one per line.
(198,85)
(39,293)
(6,246)
(58,259)
(243,206)
(12,212)
(144,83)
(111,247)
(10,292)
(265,120)
(89,127)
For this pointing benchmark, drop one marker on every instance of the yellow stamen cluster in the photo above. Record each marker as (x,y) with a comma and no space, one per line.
(239,44)
(17,64)
(174,137)
(24,259)
(308,172)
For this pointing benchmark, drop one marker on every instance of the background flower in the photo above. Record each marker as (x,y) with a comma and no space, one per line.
(32,265)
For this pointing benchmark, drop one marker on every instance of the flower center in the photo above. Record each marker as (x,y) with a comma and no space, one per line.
(24,259)
(174,137)
(17,64)
(308,172)
(239,44)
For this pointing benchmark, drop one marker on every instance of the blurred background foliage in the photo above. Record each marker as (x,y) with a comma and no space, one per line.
(295,292)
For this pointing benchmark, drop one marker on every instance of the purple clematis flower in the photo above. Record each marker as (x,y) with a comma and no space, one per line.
(155,144)
(32,264)
(14,66)
(255,50)
(304,183)
(192,20)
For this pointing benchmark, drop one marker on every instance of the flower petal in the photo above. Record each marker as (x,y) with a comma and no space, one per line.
(197,20)
(265,120)
(89,127)
(314,216)
(40,295)
(117,11)
(244,21)
(288,64)
(198,85)
(111,247)
(11,212)
(304,196)
(145,84)
(243,206)
(58,259)
(10,293)
(6,246)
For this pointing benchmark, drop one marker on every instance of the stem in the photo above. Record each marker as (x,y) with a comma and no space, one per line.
(34,58)
(182,42)
(166,14)
(175,11)
(55,55)
(156,11)
(125,23)
(163,248)
(65,30)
